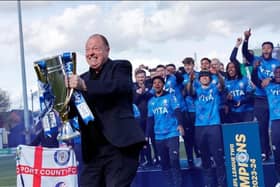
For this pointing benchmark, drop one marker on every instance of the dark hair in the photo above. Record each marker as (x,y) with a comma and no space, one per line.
(140,71)
(182,69)
(269,43)
(160,66)
(237,69)
(277,67)
(172,65)
(205,73)
(205,58)
(152,69)
(158,77)
(188,60)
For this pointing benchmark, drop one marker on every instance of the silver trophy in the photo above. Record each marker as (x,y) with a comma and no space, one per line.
(51,74)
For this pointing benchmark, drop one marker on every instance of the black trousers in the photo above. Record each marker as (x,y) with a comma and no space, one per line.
(169,153)
(275,134)
(111,167)
(210,143)
(189,142)
(261,111)
(236,117)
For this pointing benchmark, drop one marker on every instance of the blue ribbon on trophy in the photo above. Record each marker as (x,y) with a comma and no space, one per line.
(79,100)
(46,99)
(47,115)
(55,97)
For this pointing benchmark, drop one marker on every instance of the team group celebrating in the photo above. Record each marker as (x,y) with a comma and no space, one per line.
(170,103)
(183,102)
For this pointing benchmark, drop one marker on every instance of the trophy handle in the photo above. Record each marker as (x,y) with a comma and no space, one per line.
(71,90)
(68,97)
(40,75)
(74,60)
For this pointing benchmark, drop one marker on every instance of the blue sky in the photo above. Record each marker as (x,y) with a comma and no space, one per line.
(143,32)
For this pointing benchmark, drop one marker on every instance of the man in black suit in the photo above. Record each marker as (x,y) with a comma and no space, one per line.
(112,142)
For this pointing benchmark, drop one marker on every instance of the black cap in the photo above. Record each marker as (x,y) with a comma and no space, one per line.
(205,73)
(158,77)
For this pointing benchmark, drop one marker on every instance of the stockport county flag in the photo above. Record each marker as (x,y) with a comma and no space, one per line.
(45,167)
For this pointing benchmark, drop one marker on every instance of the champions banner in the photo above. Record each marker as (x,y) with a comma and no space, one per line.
(243,156)
(46,167)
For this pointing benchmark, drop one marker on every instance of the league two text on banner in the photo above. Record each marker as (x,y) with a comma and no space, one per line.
(45,167)
(243,155)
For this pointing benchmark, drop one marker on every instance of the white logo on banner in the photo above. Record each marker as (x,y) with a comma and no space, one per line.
(62,157)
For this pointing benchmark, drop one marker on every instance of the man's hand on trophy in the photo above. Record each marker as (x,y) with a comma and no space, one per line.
(76,82)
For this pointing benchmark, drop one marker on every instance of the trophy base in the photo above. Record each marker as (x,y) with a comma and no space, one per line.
(62,137)
(67,132)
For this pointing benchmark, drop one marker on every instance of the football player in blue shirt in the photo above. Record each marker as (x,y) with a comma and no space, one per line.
(189,112)
(171,85)
(273,95)
(239,91)
(265,73)
(205,64)
(208,133)
(165,119)
(171,69)
(216,74)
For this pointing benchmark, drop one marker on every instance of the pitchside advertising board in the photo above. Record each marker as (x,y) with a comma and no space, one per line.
(243,156)
(46,167)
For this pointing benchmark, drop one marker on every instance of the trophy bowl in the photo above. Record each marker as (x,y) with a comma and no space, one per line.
(51,74)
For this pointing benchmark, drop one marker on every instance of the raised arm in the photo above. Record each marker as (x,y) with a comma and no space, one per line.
(235,50)
(249,57)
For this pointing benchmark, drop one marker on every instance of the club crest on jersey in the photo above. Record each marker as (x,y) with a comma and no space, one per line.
(168,83)
(165,102)
(61,157)
(228,86)
(241,84)
(214,81)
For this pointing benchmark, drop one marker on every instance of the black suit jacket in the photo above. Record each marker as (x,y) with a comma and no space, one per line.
(109,95)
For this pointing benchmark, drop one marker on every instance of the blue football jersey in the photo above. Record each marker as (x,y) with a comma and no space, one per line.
(215,79)
(172,86)
(207,105)
(273,96)
(162,110)
(190,106)
(238,88)
(265,70)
